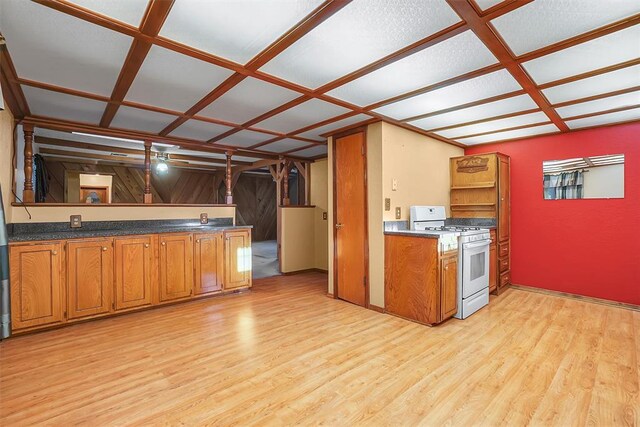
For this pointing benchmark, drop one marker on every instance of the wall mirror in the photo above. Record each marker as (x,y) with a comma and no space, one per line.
(595,177)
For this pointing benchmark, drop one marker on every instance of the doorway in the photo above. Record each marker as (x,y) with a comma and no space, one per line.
(351,248)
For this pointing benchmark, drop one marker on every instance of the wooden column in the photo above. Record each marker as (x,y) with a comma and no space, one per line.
(28,195)
(285,184)
(227,180)
(148,197)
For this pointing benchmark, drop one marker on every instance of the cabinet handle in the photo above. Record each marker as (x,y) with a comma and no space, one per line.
(164,243)
(146,245)
(54,252)
(104,248)
(197,240)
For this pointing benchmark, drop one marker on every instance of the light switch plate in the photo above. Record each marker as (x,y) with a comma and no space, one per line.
(394,185)
(204,218)
(76,221)
(398,212)
(324,216)
(387,204)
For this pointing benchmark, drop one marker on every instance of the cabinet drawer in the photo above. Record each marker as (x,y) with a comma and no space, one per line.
(505,279)
(503,250)
(504,264)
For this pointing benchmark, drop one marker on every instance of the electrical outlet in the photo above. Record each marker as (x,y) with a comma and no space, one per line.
(398,212)
(387,204)
(394,185)
(76,221)
(324,216)
(204,218)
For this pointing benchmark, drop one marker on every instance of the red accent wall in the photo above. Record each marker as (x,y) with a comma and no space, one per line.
(585,247)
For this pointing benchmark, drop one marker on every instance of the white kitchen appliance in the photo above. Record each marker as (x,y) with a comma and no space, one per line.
(473,255)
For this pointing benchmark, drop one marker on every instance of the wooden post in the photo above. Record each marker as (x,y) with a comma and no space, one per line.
(285,184)
(307,183)
(227,180)
(28,195)
(148,197)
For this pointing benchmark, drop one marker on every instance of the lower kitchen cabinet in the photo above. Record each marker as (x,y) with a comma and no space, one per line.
(176,267)
(37,285)
(208,263)
(237,259)
(493,263)
(133,261)
(449,284)
(89,278)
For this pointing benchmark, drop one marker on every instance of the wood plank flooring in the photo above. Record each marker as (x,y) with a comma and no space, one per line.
(286,354)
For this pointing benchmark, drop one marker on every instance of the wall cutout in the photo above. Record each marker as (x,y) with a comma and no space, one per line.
(596,177)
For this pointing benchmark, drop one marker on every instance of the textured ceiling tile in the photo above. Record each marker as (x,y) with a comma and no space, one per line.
(62,106)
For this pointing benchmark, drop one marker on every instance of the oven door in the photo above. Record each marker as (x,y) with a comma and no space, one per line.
(475,267)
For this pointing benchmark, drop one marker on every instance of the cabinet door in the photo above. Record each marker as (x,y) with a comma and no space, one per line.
(493,267)
(89,277)
(449,287)
(208,263)
(36,285)
(133,258)
(176,269)
(237,259)
(504,194)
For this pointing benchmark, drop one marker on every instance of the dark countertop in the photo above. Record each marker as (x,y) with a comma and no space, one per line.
(62,231)
(412,233)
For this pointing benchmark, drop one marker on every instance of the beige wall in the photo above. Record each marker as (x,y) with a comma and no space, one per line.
(319,198)
(297,246)
(6,154)
(420,165)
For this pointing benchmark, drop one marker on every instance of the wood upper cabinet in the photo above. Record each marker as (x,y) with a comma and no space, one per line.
(208,263)
(133,262)
(176,268)
(449,285)
(237,249)
(37,296)
(89,277)
(504,198)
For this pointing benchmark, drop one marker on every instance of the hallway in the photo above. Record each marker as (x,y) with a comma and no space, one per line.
(265,259)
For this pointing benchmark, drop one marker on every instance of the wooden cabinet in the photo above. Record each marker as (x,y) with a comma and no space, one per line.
(208,263)
(449,284)
(481,188)
(237,250)
(89,277)
(37,296)
(133,263)
(176,268)
(419,283)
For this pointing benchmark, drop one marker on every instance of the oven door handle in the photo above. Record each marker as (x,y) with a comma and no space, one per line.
(476,245)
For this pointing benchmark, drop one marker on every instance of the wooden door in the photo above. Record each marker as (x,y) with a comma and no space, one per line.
(89,277)
(449,286)
(176,269)
(237,250)
(350,258)
(504,201)
(36,285)
(208,263)
(133,259)
(493,264)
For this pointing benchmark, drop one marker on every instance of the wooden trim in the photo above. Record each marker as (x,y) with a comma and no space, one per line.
(66,205)
(530,125)
(599,113)
(592,73)
(599,96)
(583,298)
(296,206)
(11,90)
(28,193)
(147,196)
(346,130)
(475,122)
(306,270)
(376,308)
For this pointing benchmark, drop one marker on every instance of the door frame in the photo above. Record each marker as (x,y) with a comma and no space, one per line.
(363,130)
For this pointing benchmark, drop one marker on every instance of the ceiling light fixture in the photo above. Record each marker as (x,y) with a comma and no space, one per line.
(162,167)
(107,137)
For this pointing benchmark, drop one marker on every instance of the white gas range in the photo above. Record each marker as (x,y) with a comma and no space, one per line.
(472,244)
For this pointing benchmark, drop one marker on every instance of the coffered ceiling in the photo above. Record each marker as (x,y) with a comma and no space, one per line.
(273,77)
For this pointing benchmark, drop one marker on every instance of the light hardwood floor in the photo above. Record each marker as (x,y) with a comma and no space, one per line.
(286,354)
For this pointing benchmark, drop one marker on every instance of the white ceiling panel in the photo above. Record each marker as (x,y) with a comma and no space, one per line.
(89,139)
(307,113)
(245,138)
(216,156)
(602,52)
(170,80)
(451,58)
(486,4)
(609,103)
(141,120)
(541,23)
(486,86)
(495,125)
(603,83)
(479,112)
(247,100)
(510,134)
(605,119)
(284,145)
(128,11)
(359,34)
(315,133)
(311,152)
(62,106)
(52,47)
(199,130)
(236,30)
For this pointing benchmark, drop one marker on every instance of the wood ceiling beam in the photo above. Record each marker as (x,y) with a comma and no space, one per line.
(488,119)
(596,97)
(600,113)
(530,125)
(154,17)
(11,90)
(485,33)
(592,73)
(121,162)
